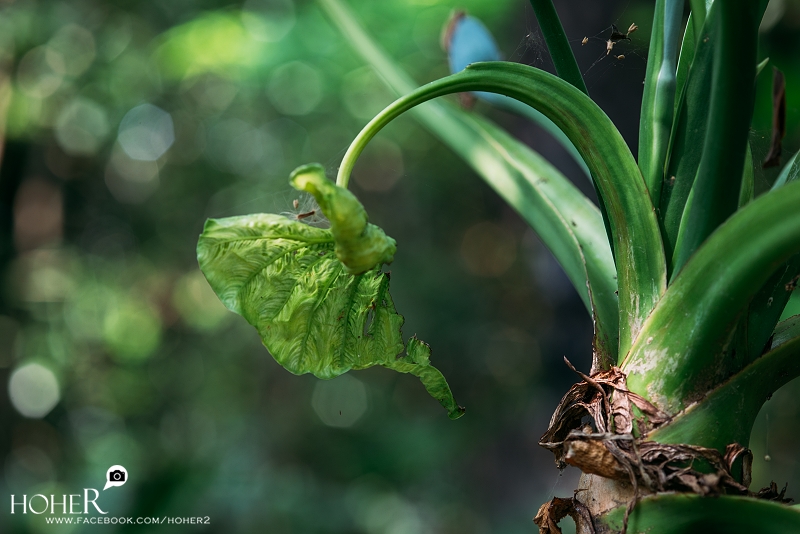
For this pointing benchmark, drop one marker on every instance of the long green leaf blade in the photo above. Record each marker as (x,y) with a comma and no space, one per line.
(789,173)
(678,356)
(688,134)
(470,42)
(681,513)
(566,221)
(684,60)
(558,44)
(639,254)
(283,277)
(732,96)
(567,69)
(658,99)
(727,414)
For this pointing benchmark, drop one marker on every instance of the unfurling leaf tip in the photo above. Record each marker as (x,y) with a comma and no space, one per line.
(360,246)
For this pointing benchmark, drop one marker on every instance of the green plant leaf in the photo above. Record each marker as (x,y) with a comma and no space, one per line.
(761,66)
(688,133)
(681,513)
(747,190)
(764,311)
(641,268)
(727,414)
(658,99)
(766,307)
(360,246)
(684,61)
(789,173)
(558,44)
(678,356)
(700,9)
(566,221)
(283,277)
(469,42)
(730,111)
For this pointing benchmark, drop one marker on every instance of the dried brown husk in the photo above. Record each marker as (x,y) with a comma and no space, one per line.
(595,428)
(556,509)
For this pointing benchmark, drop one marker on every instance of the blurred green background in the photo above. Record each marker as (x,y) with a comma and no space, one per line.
(126,124)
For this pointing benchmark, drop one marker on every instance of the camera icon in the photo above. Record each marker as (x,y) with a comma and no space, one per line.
(116,476)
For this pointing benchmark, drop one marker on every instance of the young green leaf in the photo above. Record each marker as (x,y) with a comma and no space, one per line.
(658,100)
(641,267)
(684,61)
(688,132)
(283,277)
(747,190)
(700,9)
(730,109)
(360,246)
(566,221)
(558,44)
(789,173)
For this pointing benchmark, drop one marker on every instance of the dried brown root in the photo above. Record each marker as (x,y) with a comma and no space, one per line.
(607,447)
(556,509)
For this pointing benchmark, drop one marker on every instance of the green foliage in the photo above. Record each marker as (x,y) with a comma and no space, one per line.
(723,151)
(727,413)
(678,355)
(566,221)
(658,106)
(637,242)
(700,257)
(313,316)
(682,514)
(360,246)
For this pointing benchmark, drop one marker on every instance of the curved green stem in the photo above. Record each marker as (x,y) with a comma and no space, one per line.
(639,253)
(567,222)
(678,356)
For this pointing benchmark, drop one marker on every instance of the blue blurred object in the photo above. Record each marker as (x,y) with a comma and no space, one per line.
(467,41)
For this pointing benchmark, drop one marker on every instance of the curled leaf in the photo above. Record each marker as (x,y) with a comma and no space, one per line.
(284,278)
(360,246)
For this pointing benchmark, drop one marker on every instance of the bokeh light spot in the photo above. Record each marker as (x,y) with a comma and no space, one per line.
(40,72)
(363,94)
(34,390)
(76,46)
(236,146)
(268,20)
(295,88)
(214,42)
(340,402)
(146,132)
(132,330)
(131,181)
(197,303)
(81,127)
